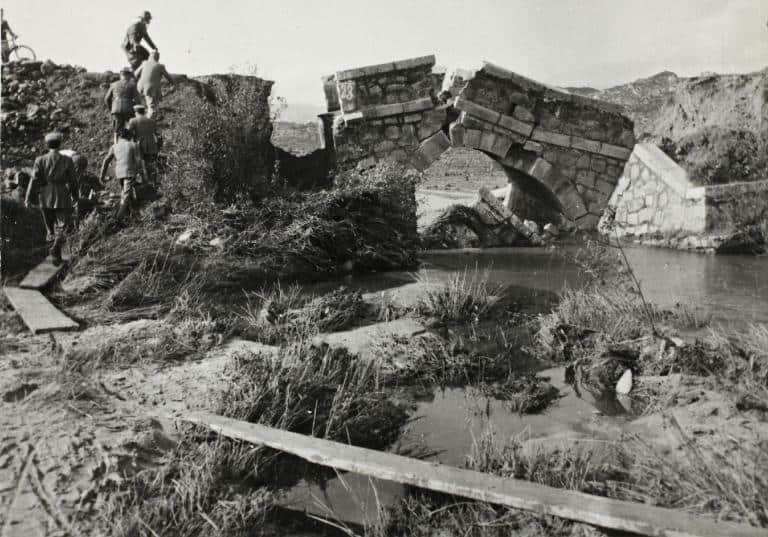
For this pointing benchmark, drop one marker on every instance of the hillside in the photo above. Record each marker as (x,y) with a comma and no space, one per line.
(665,105)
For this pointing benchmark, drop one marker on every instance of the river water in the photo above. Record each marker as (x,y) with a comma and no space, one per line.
(733,290)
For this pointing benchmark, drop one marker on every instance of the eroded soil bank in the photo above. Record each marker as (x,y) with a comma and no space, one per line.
(512,381)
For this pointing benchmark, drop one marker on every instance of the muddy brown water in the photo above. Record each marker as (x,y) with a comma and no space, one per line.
(733,290)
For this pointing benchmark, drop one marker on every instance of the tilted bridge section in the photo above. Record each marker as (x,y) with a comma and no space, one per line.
(563,153)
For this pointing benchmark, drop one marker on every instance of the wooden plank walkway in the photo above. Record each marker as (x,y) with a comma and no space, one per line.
(37,313)
(42,275)
(572,505)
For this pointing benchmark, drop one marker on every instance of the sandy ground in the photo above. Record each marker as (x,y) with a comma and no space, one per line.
(71,435)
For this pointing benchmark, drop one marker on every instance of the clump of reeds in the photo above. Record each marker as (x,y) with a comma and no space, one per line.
(466,297)
(150,341)
(279,314)
(203,488)
(525,394)
(314,391)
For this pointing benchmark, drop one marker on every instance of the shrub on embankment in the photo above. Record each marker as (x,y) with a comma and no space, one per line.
(718,155)
(367,223)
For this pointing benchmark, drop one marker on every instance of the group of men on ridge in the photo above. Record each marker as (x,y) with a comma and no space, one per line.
(58,175)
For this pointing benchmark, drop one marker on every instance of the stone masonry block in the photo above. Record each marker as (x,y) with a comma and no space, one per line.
(412,63)
(585,145)
(392,132)
(429,150)
(418,105)
(368,70)
(523,114)
(515,125)
(378,69)
(540,169)
(533,146)
(412,118)
(487,139)
(347,95)
(615,151)
(472,138)
(554,138)
(501,146)
(486,114)
(331,93)
(456,133)
(383,110)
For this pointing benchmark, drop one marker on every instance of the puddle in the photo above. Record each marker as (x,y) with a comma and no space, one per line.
(448,424)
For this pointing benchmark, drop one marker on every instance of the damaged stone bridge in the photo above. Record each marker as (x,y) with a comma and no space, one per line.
(563,153)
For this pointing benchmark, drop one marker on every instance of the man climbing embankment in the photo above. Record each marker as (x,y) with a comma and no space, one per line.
(150,78)
(53,187)
(129,165)
(120,99)
(134,35)
(145,131)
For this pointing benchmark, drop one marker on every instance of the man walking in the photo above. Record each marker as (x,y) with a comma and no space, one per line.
(144,130)
(128,165)
(136,33)
(150,75)
(120,98)
(53,187)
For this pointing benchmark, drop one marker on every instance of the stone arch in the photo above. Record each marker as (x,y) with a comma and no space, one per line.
(561,150)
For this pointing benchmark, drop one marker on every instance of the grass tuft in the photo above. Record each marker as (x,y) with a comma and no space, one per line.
(466,297)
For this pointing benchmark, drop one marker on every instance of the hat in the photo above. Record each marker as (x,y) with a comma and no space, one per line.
(53,137)
(139,107)
(126,70)
(145,15)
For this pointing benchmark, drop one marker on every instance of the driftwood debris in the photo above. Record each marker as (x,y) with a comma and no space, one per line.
(598,511)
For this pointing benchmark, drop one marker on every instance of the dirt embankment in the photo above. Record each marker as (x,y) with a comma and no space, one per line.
(714,126)
(665,105)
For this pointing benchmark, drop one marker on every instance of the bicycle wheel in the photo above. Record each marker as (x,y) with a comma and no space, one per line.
(22,53)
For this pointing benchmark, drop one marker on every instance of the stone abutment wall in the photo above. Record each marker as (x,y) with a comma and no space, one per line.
(656,204)
(562,153)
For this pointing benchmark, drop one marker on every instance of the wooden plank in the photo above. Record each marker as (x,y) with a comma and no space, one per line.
(37,313)
(42,275)
(572,505)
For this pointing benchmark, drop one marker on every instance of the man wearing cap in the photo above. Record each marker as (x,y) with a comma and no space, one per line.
(136,33)
(120,98)
(150,77)
(53,187)
(144,129)
(129,164)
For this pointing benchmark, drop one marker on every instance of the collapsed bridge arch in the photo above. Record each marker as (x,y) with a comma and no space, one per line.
(562,153)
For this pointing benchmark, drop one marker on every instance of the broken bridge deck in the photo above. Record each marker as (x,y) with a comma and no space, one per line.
(37,312)
(598,511)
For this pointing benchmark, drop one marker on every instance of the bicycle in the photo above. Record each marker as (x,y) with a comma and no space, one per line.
(18,53)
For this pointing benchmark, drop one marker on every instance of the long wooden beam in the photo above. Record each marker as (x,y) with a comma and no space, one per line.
(572,505)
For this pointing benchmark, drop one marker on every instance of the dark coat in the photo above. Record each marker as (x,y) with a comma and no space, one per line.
(54,181)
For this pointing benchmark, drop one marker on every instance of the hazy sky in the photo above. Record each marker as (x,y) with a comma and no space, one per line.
(561,42)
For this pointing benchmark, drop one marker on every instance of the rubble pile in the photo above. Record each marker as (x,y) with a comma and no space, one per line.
(486,224)
(39,97)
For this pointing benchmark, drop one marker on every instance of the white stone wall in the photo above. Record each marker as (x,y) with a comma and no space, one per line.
(653,195)
(655,203)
